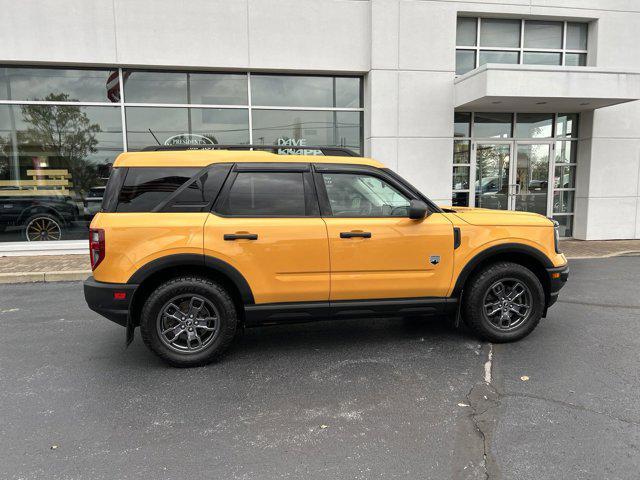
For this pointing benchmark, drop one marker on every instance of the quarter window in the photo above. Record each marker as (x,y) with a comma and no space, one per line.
(266,194)
(353,195)
(145,188)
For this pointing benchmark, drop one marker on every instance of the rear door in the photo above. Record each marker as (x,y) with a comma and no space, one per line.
(377,251)
(266,224)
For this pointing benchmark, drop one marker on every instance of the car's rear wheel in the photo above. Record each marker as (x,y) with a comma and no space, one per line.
(189,321)
(43,227)
(503,302)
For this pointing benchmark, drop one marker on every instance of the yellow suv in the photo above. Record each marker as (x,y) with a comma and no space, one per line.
(192,245)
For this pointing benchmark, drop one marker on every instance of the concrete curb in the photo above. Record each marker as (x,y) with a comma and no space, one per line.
(31,277)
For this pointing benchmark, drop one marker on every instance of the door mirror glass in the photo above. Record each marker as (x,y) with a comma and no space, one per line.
(418,210)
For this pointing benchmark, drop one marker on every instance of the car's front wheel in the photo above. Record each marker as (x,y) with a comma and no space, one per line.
(188,321)
(503,302)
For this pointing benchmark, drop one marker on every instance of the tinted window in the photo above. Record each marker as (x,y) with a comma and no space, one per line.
(110,197)
(200,192)
(145,188)
(353,195)
(266,194)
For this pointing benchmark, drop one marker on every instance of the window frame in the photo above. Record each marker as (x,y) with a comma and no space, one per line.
(323,198)
(312,207)
(521,49)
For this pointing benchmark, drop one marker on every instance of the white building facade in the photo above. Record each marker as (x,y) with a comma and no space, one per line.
(511,104)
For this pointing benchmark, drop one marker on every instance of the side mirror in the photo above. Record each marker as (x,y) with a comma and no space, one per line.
(417,210)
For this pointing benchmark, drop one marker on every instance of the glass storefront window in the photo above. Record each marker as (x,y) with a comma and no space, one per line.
(516,161)
(297,128)
(534,125)
(56,153)
(492,125)
(303,91)
(565,177)
(61,84)
(461,151)
(563,201)
(460,178)
(567,125)
(185,88)
(460,199)
(175,126)
(54,163)
(566,224)
(461,124)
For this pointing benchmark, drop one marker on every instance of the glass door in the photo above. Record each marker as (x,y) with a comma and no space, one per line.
(493,175)
(530,182)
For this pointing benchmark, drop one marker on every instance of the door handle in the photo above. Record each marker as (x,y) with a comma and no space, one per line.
(240,236)
(355,234)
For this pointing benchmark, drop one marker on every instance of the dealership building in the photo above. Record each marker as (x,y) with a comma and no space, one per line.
(525,105)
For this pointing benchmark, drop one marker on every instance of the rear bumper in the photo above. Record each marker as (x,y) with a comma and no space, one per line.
(558,276)
(100,297)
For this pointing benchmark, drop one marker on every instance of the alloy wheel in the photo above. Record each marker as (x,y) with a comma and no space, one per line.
(507,304)
(188,323)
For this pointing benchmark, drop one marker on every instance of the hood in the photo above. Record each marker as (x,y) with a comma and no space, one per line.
(485,216)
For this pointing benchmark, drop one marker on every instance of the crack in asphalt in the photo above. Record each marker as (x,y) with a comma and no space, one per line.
(568,405)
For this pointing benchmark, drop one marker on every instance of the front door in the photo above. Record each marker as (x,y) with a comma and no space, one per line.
(376,251)
(513,176)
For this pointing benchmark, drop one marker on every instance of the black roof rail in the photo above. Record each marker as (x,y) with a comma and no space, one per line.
(288,149)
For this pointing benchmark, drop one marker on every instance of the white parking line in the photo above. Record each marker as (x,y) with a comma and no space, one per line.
(487,366)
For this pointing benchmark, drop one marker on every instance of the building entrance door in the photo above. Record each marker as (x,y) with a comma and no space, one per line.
(530,185)
(513,175)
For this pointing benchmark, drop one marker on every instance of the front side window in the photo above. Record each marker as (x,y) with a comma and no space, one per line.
(265,194)
(357,195)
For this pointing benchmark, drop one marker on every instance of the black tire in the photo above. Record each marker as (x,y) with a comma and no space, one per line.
(157,315)
(480,299)
(43,227)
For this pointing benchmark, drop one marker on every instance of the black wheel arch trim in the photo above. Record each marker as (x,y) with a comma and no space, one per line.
(496,250)
(206,261)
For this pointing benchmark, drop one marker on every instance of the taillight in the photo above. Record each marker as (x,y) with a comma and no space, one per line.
(96,246)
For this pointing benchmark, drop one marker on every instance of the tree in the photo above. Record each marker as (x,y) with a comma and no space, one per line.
(66,132)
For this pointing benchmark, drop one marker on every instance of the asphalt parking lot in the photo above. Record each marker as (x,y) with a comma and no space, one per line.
(356,399)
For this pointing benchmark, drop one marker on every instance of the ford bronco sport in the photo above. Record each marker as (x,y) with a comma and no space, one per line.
(192,245)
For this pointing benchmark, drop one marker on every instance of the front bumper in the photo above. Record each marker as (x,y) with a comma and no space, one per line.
(558,276)
(101,298)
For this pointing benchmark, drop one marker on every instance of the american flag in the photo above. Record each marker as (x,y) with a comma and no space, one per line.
(113,85)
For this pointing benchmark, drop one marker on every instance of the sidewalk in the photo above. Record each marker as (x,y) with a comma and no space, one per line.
(53,268)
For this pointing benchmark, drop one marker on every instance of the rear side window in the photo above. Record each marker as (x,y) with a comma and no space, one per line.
(200,192)
(269,194)
(145,187)
(173,189)
(110,197)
